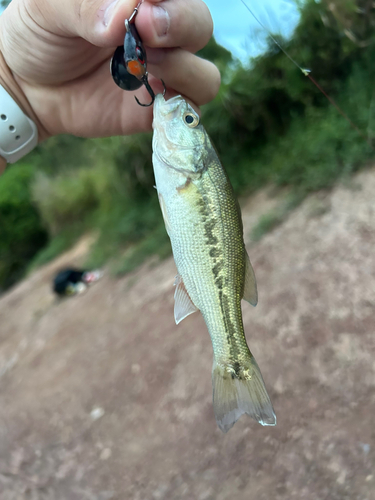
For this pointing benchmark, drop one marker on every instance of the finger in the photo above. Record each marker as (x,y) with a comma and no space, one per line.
(90,107)
(165,23)
(100,22)
(68,57)
(96,107)
(187,74)
(175,23)
(160,23)
(46,34)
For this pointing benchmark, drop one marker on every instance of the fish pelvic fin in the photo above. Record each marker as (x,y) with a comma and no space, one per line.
(183,305)
(238,390)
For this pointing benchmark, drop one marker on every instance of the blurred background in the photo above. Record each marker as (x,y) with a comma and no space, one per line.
(102,396)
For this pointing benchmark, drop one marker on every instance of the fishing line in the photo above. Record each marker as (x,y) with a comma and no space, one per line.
(304,71)
(307,72)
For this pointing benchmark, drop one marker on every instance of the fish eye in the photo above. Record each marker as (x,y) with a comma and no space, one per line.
(191,120)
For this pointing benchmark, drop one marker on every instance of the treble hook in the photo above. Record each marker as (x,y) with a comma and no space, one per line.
(129,63)
(150,91)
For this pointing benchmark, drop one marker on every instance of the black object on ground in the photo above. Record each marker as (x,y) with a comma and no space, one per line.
(65,282)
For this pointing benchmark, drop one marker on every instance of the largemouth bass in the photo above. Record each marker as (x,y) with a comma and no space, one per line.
(203,220)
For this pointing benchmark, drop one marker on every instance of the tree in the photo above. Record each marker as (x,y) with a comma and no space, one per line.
(356,18)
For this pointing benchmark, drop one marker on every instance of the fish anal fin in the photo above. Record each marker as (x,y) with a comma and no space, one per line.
(183,305)
(164,213)
(250,293)
(236,394)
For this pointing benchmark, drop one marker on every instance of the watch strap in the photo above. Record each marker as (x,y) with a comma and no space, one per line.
(18,134)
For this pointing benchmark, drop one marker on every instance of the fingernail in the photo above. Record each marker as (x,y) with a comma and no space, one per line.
(161,20)
(108,13)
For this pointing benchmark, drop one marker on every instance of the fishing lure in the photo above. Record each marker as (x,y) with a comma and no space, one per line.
(129,62)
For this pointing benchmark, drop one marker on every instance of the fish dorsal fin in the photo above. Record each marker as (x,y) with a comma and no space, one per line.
(164,213)
(183,305)
(250,292)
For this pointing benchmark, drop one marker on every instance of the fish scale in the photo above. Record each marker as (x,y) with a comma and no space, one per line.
(203,221)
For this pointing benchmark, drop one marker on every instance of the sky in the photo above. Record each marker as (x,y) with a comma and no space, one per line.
(237,30)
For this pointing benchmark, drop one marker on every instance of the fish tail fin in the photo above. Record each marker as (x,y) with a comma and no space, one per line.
(240,391)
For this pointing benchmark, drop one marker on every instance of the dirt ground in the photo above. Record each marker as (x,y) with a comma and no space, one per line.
(103,397)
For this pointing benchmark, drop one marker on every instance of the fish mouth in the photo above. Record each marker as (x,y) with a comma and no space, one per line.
(167,109)
(167,105)
(164,112)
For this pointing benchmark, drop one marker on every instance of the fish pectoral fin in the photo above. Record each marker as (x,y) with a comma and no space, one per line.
(183,305)
(250,293)
(164,213)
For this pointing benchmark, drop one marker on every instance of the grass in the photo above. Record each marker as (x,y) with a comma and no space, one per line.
(56,246)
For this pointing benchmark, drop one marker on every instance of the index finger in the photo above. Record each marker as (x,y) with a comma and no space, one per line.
(175,23)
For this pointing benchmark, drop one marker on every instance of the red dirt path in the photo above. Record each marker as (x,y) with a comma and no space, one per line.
(103,397)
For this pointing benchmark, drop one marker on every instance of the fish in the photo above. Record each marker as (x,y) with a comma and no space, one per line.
(203,220)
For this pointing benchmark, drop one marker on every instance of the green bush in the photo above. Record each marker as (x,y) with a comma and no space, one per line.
(21,232)
(71,196)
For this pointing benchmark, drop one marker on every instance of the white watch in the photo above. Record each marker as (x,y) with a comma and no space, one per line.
(18,134)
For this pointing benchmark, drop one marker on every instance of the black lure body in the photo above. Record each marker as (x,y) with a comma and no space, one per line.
(129,62)
(120,74)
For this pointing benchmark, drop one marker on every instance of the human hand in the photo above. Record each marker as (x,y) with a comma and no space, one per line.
(59,52)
